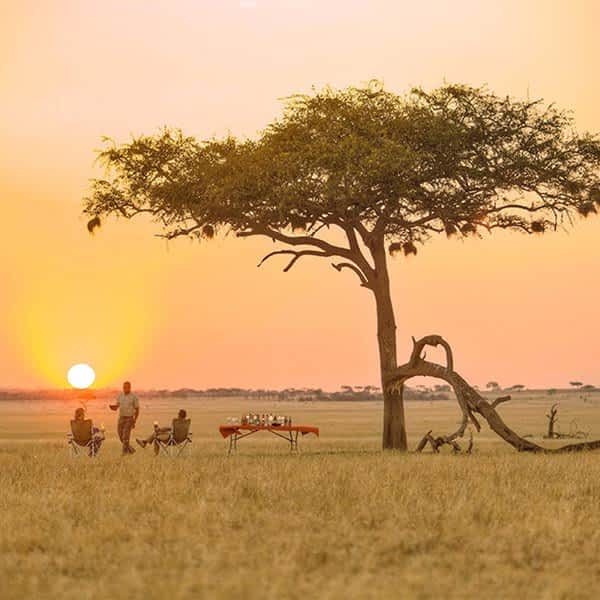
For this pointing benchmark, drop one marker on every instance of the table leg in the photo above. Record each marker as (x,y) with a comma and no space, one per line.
(238,435)
(290,436)
(293,441)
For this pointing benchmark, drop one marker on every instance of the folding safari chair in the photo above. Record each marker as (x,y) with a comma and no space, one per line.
(179,439)
(81,438)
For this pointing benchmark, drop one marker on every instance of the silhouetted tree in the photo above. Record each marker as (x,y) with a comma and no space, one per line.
(492,385)
(353,175)
(576,384)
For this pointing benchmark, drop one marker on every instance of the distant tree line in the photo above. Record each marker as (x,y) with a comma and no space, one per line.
(305,394)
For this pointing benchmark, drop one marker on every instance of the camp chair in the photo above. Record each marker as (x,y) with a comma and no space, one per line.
(81,438)
(179,438)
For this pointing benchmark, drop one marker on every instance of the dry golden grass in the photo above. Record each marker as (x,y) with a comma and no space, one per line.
(341,520)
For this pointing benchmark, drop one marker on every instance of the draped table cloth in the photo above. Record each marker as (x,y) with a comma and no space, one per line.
(290,433)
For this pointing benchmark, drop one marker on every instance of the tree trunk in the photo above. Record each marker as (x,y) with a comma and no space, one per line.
(394,428)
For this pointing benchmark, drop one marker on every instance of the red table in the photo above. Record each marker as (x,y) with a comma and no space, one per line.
(287,432)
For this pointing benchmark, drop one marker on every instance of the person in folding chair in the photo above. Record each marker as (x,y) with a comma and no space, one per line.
(171,440)
(84,436)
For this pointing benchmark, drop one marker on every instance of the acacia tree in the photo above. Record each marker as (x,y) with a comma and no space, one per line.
(354,175)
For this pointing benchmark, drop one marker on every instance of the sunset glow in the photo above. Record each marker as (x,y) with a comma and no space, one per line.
(173,314)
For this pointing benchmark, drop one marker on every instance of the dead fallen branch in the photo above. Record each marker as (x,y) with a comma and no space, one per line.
(470,401)
(437,442)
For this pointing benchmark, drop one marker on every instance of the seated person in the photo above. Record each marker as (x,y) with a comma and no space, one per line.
(161,434)
(97,434)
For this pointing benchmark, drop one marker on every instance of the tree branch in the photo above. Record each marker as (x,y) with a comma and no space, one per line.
(363,280)
(355,248)
(296,254)
(181,231)
(355,260)
(500,400)
(299,240)
(431,340)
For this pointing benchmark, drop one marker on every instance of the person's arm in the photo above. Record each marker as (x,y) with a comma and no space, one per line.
(136,414)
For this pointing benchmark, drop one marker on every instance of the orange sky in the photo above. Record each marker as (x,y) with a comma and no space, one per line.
(516,309)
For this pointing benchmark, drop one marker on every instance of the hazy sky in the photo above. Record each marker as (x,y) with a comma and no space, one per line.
(516,309)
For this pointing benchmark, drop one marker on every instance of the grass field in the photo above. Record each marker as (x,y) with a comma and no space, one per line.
(339,520)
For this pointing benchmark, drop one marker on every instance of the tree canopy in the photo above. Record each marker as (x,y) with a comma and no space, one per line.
(458,160)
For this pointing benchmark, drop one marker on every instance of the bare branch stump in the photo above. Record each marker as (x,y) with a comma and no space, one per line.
(552,418)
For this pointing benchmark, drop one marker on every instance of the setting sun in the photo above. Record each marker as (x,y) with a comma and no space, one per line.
(81,376)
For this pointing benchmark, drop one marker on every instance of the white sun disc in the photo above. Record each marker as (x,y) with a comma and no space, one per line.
(81,376)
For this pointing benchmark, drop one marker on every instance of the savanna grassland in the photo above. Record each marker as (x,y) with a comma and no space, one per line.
(339,520)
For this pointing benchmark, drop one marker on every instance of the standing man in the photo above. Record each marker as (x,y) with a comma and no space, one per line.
(129,410)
